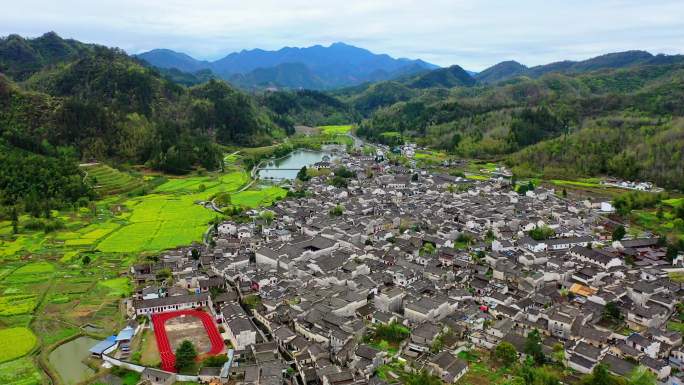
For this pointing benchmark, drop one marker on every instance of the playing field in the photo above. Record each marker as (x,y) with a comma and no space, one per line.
(168,330)
(54,285)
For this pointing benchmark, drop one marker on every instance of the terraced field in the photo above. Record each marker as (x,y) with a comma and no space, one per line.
(109,181)
(57,285)
(22,371)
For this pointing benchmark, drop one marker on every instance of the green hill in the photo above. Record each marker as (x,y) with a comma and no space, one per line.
(21,58)
(64,101)
(498,120)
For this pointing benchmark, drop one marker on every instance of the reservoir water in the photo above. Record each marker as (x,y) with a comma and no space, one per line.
(67,360)
(288,166)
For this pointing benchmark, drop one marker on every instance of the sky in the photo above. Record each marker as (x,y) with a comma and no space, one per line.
(473,34)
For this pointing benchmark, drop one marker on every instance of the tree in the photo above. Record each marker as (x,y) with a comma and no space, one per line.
(86,260)
(303,175)
(641,376)
(599,376)
(612,312)
(537,375)
(393,332)
(267,216)
(15,219)
(427,249)
(339,182)
(215,361)
(185,356)
(564,193)
(423,378)
(505,353)
(163,274)
(337,211)
(541,233)
(195,254)
(559,353)
(533,347)
(619,233)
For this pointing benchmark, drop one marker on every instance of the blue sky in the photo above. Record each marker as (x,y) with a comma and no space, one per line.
(473,34)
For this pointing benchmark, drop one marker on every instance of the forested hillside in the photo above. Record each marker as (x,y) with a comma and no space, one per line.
(510,69)
(632,112)
(63,102)
(20,58)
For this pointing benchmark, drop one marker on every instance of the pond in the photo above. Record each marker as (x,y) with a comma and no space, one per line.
(94,329)
(288,166)
(67,360)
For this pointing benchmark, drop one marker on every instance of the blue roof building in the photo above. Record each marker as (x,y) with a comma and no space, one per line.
(101,346)
(126,334)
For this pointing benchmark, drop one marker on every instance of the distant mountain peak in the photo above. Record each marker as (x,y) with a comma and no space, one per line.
(453,76)
(337,65)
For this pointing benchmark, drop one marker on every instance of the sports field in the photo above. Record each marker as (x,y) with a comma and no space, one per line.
(164,344)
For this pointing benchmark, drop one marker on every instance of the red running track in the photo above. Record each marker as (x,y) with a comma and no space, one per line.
(166,354)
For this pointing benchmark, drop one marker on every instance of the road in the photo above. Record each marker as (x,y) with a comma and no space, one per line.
(358,143)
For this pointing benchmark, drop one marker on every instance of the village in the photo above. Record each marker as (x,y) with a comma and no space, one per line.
(377,271)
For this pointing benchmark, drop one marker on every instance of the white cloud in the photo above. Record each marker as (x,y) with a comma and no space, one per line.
(474,34)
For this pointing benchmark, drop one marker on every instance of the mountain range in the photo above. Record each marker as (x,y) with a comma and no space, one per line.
(510,69)
(315,67)
(619,114)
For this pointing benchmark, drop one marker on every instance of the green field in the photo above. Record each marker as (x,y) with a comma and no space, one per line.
(677,277)
(157,222)
(335,130)
(16,342)
(256,198)
(477,177)
(648,220)
(430,155)
(167,218)
(49,290)
(676,326)
(20,372)
(117,286)
(674,202)
(588,182)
